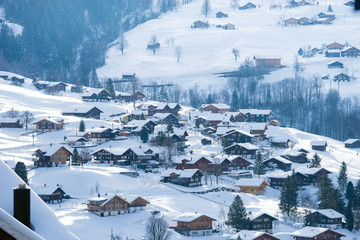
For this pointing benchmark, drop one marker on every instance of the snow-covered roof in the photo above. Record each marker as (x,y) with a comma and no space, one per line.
(82,109)
(93,91)
(162,115)
(217,105)
(115,151)
(214,116)
(307,171)
(186,173)
(98,130)
(255,111)
(318,143)
(50,150)
(279,174)
(15,228)
(310,232)
(279,139)
(247,146)
(241,132)
(9,120)
(48,119)
(330,213)
(248,235)
(122,94)
(248,126)
(45,190)
(349,141)
(139,123)
(280,159)
(250,182)
(223,130)
(97,199)
(76,139)
(255,215)
(188,217)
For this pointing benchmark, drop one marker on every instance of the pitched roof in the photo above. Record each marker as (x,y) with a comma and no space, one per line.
(50,150)
(247,146)
(311,232)
(9,120)
(330,213)
(254,216)
(189,217)
(280,159)
(15,228)
(250,235)
(81,109)
(318,143)
(250,182)
(351,141)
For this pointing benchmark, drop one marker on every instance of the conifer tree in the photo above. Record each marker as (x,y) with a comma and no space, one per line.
(289,196)
(75,158)
(342,178)
(21,171)
(330,8)
(259,166)
(357,195)
(237,215)
(349,214)
(110,88)
(315,161)
(170,128)
(327,194)
(340,203)
(82,126)
(309,220)
(350,192)
(234,102)
(209,99)
(144,135)
(142,116)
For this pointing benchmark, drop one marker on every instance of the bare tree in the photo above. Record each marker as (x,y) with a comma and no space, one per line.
(85,154)
(234,4)
(26,118)
(206,8)
(236,53)
(123,43)
(169,151)
(153,45)
(12,113)
(156,229)
(178,53)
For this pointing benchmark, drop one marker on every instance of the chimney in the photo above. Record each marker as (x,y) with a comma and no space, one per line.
(22,204)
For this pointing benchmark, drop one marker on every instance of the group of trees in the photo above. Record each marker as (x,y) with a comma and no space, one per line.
(25,117)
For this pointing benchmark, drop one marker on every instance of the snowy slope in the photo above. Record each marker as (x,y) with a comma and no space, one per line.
(257,33)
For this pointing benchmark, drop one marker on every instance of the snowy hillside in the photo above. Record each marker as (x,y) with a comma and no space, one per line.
(257,33)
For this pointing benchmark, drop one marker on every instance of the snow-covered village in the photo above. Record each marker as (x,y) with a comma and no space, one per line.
(169,119)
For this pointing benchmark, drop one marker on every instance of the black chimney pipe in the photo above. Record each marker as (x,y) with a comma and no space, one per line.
(22,204)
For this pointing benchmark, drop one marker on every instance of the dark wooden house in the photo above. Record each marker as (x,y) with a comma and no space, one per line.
(327,218)
(101,135)
(166,118)
(278,162)
(315,233)
(350,52)
(194,224)
(318,145)
(342,77)
(236,136)
(200,24)
(49,194)
(253,235)
(240,163)
(49,124)
(187,177)
(296,157)
(10,123)
(52,156)
(96,95)
(335,64)
(241,149)
(84,112)
(109,155)
(249,5)
(262,222)
(221,15)
(352,143)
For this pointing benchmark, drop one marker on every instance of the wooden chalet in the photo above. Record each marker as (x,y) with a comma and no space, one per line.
(115,205)
(137,155)
(277,178)
(253,235)
(236,136)
(313,175)
(76,141)
(280,142)
(194,224)
(327,218)
(350,52)
(17,81)
(173,108)
(315,233)
(331,17)
(221,15)
(128,97)
(332,53)
(333,45)
(268,62)
(252,185)
(84,112)
(352,143)
(215,108)
(76,89)
(187,177)
(296,157)
(278,162)
(201,163)
(335,64)
(166,118)
(109,155)
(350,4)
(210,120)
(318,145)
(55,87)
(52,156)
(10,123)
(241,149)
(291,22)
(262,222)
(249,5)
(96,95)
(251,115)
(100,135)
(304,21)
(228,26)
(50,194)
(200,24)
(342,77)
(239,163)
(49,124)
(136,126)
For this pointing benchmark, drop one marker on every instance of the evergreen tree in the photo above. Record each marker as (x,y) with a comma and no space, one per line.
(357,195)
(170,128)
(330,8)
(209,99)
(75,157)
(289,196)
(349,214)
(300,52)
(327,194)
(110,88)
(197,123)
(350,192)
(142,116)
(237,215)
(315,162)
(82,126)
(342,178)
(340,203)
(21,171)
(144,135)
(234,102)
(259,167)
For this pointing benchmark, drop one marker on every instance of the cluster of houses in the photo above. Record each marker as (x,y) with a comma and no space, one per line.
(323,18)
(340,50)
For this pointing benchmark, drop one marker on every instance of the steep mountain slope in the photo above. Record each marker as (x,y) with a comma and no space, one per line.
(257,33)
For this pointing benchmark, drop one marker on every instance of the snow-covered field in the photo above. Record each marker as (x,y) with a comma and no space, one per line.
(171,200)
(258,33)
